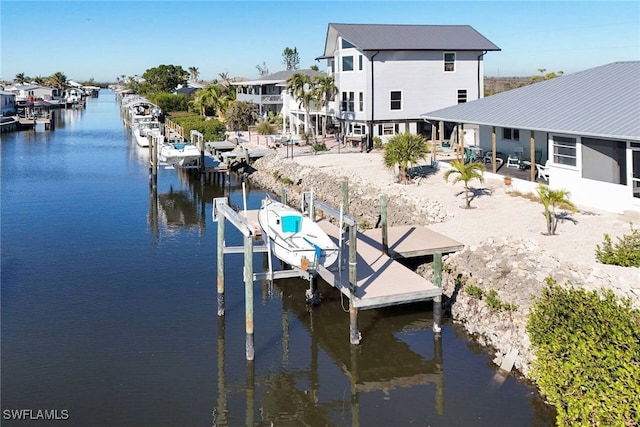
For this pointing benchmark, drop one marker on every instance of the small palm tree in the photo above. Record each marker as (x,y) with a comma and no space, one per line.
(465,173)
(404,149)
(326,89)
(20,78)
(551,199)
(299,86)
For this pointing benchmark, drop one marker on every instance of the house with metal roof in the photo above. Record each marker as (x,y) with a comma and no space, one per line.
(586,125)
(387,75)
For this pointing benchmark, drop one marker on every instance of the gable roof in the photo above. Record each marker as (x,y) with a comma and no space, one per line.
(279,77)
(599,102)
(407,37)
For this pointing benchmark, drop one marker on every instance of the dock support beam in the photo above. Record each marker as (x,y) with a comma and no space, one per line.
(221,266)
(437,300)
(248,295)
(354,334)
(153,161)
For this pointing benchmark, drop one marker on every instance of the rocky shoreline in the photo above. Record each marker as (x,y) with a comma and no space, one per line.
(514,269)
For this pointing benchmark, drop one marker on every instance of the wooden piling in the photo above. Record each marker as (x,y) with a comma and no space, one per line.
(221,224)
(354,334)
(153,161)
(248,295)
(283,197)
(250,394)
(437,300)
(383,224)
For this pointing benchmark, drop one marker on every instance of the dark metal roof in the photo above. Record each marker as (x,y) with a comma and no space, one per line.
(601,102)
(407,37)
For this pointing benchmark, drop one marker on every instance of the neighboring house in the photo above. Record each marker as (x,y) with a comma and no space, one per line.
(270,94)
(26,93)
(585,124)
(387,75)
(8,103)
(188,89)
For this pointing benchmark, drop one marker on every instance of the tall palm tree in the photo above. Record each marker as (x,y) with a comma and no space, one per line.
(300,88)
(225,80)
(465,172)
(404,149)
(195,74)
(551,199)
(326,89)
(206,98)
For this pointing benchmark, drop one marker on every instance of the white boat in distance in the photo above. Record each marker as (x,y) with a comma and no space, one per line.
(178,154)
(294,238)
(143,129)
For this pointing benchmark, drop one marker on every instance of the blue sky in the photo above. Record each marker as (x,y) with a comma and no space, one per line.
(103,40)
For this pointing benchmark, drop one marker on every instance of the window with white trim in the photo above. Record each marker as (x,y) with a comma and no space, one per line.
(512,134)
(449,62)
(346,44)
(360,101)
(462,96)
(347,63)
(359,62)
(395,98)
(565,150)
(358,129)
(388,129)
(347,101)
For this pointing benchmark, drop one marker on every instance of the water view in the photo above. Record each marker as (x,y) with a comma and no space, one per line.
(109,310)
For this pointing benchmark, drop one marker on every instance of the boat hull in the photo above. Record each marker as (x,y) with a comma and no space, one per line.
(178,154)
(294,238)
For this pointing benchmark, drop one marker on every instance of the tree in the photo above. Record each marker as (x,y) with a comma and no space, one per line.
(299,86)
(194,73)
(551,199)
(404,149)
(465,172)
(546,76)
(325,89)
(241,115)
(225,80)
(262,69)
(20,78)
(58,80)
(314,67)
(290,58)
(206,99)
(163,78)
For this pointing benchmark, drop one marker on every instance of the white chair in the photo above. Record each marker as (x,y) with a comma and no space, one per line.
(543,171)
(513,161)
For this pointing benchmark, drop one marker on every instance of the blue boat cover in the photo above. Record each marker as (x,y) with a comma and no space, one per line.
(291,223)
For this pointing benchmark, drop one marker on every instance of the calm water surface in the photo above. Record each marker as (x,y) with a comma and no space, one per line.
(108,305)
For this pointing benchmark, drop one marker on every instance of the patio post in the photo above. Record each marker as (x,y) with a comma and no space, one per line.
(493,149)
(532,155)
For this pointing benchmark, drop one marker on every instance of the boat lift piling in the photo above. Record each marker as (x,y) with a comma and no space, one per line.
(153,160)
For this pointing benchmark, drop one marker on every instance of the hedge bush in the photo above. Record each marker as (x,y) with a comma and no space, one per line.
(625,253)
(212,129)
(587,347)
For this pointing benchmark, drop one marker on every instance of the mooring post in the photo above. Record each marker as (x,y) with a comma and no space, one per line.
(221,412)
(354,334)
(251,391)
(437,358)
(248,295)
(437,300)
(383,224)
(221,221)
(283,197)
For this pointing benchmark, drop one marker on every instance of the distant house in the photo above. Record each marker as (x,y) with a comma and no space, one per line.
(387,75)
(7,103)
(585,125)
(26,93)
(270,94)
(188,89)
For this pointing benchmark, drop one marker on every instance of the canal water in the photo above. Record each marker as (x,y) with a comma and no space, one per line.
(109,316)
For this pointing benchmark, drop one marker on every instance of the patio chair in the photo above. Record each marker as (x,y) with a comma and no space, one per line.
(543,171)
(513,161)
(488,158)
(470,155)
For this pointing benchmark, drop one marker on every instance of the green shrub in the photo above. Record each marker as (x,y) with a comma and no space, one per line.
(320,147)
(169,102)
(286,181)
(212,129)
(265,128)
(377,142)
(474,291)
(587,347)
(625,253)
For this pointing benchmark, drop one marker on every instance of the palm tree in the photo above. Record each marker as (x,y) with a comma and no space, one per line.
(206,98)
(326,89)
(58,80)
(465,173)
(404,149)
(20,78)
(193,71)
(551,199)
(225,79)
(299,87)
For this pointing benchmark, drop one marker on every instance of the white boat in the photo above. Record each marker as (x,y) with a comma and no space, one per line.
(143,129)
(294,238)
(178,154)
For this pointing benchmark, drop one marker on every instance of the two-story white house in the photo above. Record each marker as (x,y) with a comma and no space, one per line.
(7,103)
(387,75)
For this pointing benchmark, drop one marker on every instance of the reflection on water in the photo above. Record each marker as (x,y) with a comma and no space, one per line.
(108,309)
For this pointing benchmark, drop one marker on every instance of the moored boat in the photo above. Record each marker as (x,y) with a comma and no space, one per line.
(294,238)
(178,154)
(143,129)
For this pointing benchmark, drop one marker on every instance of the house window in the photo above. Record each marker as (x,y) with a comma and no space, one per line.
(347,63)
(358,129)
(449,61)
(564,150)
(462,96)
(509,133)
(346,44)
(360,101)
(396,100)
(388,129)
(604,160)
(333,66)
(347,101)
(359,62)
